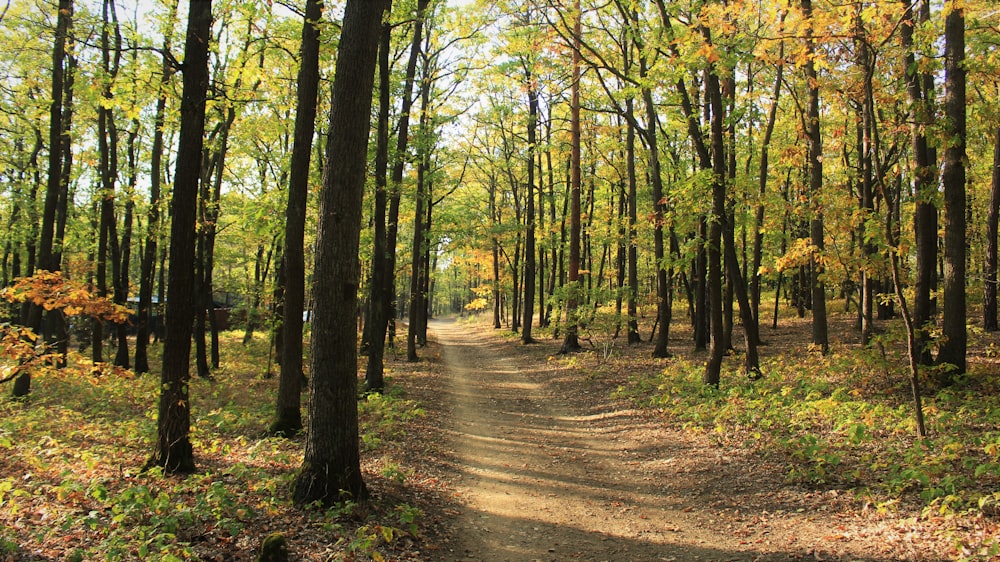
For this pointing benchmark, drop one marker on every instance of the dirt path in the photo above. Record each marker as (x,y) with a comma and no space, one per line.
(547,468)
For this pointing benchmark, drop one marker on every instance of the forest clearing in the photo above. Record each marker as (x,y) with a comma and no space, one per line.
(491,450)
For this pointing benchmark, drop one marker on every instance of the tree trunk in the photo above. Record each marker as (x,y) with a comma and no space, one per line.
(990,293)
(416,263)
(820,335)
(529,219)
(716,227)
(866,156)
(388,286)
(331,469)
(663,312)
(571,341)
(47,241)
(148,265)
(633,252)
(288,412)
(953,330)
(379,298)
(925,216)
(762,177)
(174,452)
(495,251)
(122,276)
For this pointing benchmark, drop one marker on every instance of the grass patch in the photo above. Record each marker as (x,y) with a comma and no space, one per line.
(71,486)
(845,421)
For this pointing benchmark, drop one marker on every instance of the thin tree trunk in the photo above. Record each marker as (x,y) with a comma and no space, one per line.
(529,219)
(820,335)
(762,177)
(990,289)
(633,252)
(421,203)
(148,265)
(925,216)
(47,241)
(288,413)
(396,179)
(716,227)
(571,342)
(379,296)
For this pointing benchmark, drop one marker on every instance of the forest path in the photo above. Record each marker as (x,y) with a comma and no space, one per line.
(547,467)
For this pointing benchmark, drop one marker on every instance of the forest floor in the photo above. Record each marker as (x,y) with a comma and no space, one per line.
(533,459)
(488,450)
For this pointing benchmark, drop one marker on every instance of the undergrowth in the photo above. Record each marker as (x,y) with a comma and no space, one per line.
(71,487)
(845,421)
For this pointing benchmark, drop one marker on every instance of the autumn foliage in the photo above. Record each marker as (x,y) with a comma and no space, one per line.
(21,349)
(51,291)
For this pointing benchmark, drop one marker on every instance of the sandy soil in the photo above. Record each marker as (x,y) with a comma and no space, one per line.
(541,464)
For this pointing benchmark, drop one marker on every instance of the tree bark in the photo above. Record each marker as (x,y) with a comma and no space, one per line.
(633,251)
(415,332)
(379,298)
(571,341)
(174,452)
(953,330)
(331,469)
(993,219)
(288,412)
(716,226)
(820,335)
(386,290)
(148,265)
(47,241)
(763,170)
(925,216)
(529,219)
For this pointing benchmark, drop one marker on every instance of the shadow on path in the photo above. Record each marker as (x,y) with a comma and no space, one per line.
(540,480)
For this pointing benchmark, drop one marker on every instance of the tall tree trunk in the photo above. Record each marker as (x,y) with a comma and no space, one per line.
(148,265)
(388,287)
(174,452)
(663,312)
(529,219)
(762,177)
(541,274)
(123,275)
(55,321)
(202,294)
(820,336)
(571,341)
(379,296)
(426,284)
(866,157)
(107,168)
(495,251)
(421,203)
(122,278)
(633,251)
(716,227)
(990,289)
(925,216)
(331,468)
(953,330)
(554,250)
(47,240)
(661,347)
